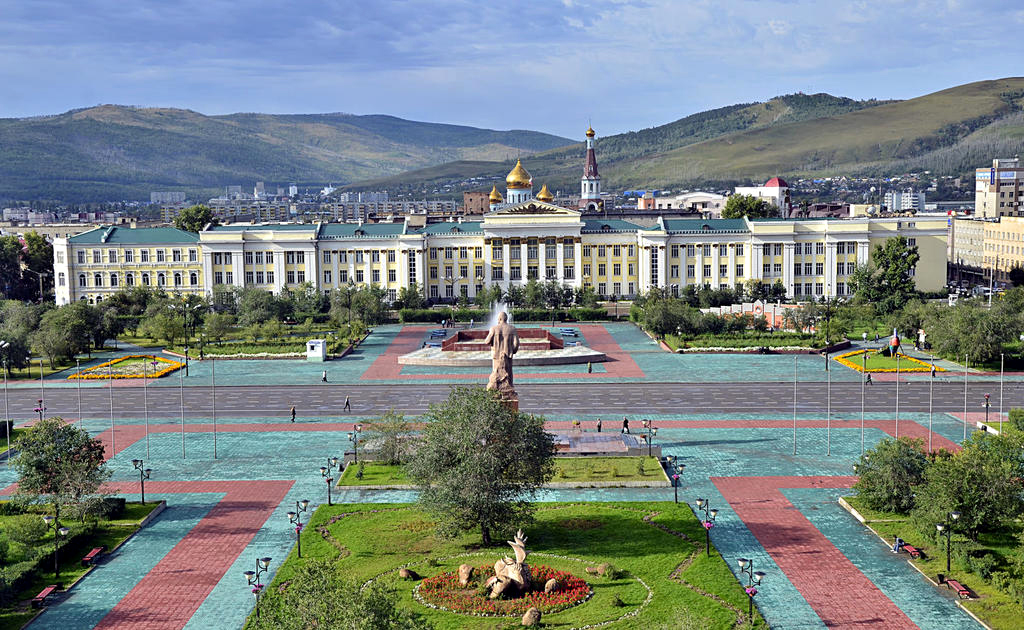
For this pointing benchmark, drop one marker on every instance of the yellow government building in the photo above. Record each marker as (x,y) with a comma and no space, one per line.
(523,236)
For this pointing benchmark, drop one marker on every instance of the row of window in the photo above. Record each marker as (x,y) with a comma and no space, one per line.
(516,273)
(705,250)
(691,271)
(113,279)
(112,256)
(360,256)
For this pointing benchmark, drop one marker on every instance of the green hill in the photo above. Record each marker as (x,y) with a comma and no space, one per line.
(114,152)
(949,132)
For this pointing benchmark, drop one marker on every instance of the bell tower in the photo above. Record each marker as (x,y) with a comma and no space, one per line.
(590,183)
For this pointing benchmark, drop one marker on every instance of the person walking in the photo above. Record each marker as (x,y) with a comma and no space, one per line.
(867,378)
(590,367)
(293,413)
(348,404)
(598,425)
(323,377)
(625,424)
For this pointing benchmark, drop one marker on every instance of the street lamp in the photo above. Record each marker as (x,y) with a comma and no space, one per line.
(186,360)
(946,529)
(676,468)
(987,404)
(144,474)
(652,431)
(295,518)
(708,522)
(332,463)
(753,581)
(353,436)
(53,522)
(4,345)
(253,578)
(39,408)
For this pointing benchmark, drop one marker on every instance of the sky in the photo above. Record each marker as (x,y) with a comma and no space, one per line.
(550,66)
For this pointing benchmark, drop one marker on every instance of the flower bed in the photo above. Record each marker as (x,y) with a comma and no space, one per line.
(443,591)
(131,366)
(912,364)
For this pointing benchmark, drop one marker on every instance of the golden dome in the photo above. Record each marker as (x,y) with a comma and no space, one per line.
(519,177)
(495,195)
(590,132)
(545,194)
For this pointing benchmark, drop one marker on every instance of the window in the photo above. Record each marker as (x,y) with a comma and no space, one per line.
(808,287)
(144,255)
(463,252)
(840,268)
(601,268)
(616,269)
(616,250)
(300,276)
(496,252)
(705,250)
(448,251)
(193,278)
(113,279)
(259,258)
(259,277)
(739,249)
(616,288)
(433,290)
(549,272)
(850,268)
(798,289)
(375,276)
(767,269)
(586,269)
(674,251)
(290,276)
(586,251)
(177,278)
(777,269)
(161,279)
(819,248)
(819,269)
(129,279)
(60,279)
(496,273)
(81,257)
(567,250)
(289,258)
(778,249)
(81,279)
(327,256)
(797,269)
(691,250)
(218,259)
(515,273)
(96,256)
(478,252)
(375,256)
(250,277)
(514,253)
(433,273)
(112,256)
(193,255)
(739,271)
(632,252)
(689,271)
(392,275)
(270,259)
(248,258)
(97,280)
(673,271)
(270,277)
(551,251)
(707,271)
(176,255)
(229,278)
(808,269)
(723,270)
(359,257)
(478,271)
(570,273)
(601,289)
(531,272)
(911,242)
(391,255)
(819,288)
(840,288)
(160,256)
(300,258)
(145,279)
(531,252)
(600,251)
(129,255)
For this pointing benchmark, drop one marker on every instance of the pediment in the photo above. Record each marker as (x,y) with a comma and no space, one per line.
(534,207)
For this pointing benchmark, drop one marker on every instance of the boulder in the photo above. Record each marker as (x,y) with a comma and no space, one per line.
(531,617)
(465,574)
(408,574)
(591,570)
(551,586)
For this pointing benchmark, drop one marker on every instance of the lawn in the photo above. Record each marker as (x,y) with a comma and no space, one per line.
(371,541)
(997,609)
(27,536)
(32,372)
(879,363)
(15,434)
(749,339)
(567,469)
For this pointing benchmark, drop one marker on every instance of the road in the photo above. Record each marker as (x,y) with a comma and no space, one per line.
(553,398)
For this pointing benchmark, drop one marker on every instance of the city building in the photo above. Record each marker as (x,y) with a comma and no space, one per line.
(775,191)
(167,197)
(706,203)
(997,190)
(906,201)
(590,183)
(95,264)
(1004,248)
(475,202)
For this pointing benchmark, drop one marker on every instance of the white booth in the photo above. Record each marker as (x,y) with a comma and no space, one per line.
(316,350)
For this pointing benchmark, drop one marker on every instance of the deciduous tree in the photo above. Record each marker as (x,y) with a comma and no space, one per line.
(889,473)
(194,218)
(739,206)
(60,463)
(887,280)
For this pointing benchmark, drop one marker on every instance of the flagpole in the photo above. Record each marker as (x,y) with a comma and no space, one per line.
(1001,359)
(794,402)
(966,358)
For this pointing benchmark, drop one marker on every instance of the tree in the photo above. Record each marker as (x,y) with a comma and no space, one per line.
(739,206)
(887,280)
(166,326)
(369,304)
(393,434)
(256,306)
(61,462)
(533,294)
(38,258)
(663,317)
(10,267)
(194,219)
(409,297)
(585,297)
(889,473)
(479,462)
(341,303)
(318,596)
(983,481)
(216,326)
(1016,275)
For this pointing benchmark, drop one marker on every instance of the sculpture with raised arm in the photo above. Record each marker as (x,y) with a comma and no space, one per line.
(511,577)
(504,343)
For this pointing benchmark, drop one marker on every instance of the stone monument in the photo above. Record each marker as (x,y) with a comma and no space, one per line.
(511,577)
(504,343)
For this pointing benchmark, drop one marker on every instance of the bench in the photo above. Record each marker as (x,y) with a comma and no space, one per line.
(913,551)
(90,557)
(431,344)
(40,599)
(568,332)
(960,589)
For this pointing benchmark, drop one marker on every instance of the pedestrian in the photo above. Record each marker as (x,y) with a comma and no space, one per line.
(598,425)
(576,424)
(625,424)
(590,367)
(876,337)
(348,405)
(867,378)
(323,377)
(471,322)
(293,413)
(933,371)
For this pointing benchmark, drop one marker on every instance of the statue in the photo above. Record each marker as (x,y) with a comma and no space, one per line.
(511,577)
(504,343)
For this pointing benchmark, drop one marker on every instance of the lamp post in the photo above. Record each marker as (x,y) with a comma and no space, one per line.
(332,464)
(753,581)
(987,404)
(863,382)
(253,578)
(144,474)
(4,345)
(708,522)
(652,431)
(186,360)
(39,408)
(78,373)
(946,529)
(59,531)
(676,468)
(295,518)
(353,436)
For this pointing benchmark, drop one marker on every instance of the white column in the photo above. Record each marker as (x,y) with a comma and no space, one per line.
(421,268)
(830,269)
(577,256)
(403,268)
(787,267)
(312,267)
(506,264)
(279,271)
(368,272)
(716,257)
(524,263)
(351,255)
(757,262)
(236,270)
(335,268)
(542,260)
(698,267)
(560,260)
(733,279)
(662,266)
(207,274)
(488,257)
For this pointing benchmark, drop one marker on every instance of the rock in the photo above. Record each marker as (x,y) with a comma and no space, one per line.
(532,617)
(602,568)
(591,570)
(551,586)
(408,574)
(465,574)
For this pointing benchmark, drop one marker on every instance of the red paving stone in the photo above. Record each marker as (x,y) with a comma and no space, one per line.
(410,338)
(168,596)
(834,588)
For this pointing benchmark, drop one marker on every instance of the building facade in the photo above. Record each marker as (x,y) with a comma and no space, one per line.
(906,201)
(998,189)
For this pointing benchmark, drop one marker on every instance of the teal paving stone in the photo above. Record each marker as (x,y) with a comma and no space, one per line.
(926,606)
(92,598)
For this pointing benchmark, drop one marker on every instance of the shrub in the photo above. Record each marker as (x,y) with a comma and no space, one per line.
(25,528)
(617,601)
(581,313)
(430,315)
(888,473)
(1017,419)
(982,565)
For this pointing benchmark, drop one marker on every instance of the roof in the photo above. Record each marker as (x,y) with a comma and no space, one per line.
(776,182)
(366,230)
(705,225)
(114,235)
(255,227)
(452,227)
(608,225)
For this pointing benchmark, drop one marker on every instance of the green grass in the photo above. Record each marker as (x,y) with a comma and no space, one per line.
(15,434)
(32,372)
(746,340)
(107,533)
(997,609)
(880,363)
(567,469)
(372,545)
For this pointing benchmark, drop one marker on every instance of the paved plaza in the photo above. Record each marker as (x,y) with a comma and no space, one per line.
(777,507)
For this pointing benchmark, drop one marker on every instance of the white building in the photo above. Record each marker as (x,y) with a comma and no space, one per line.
(906,201)
(775,191)
(998,190)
